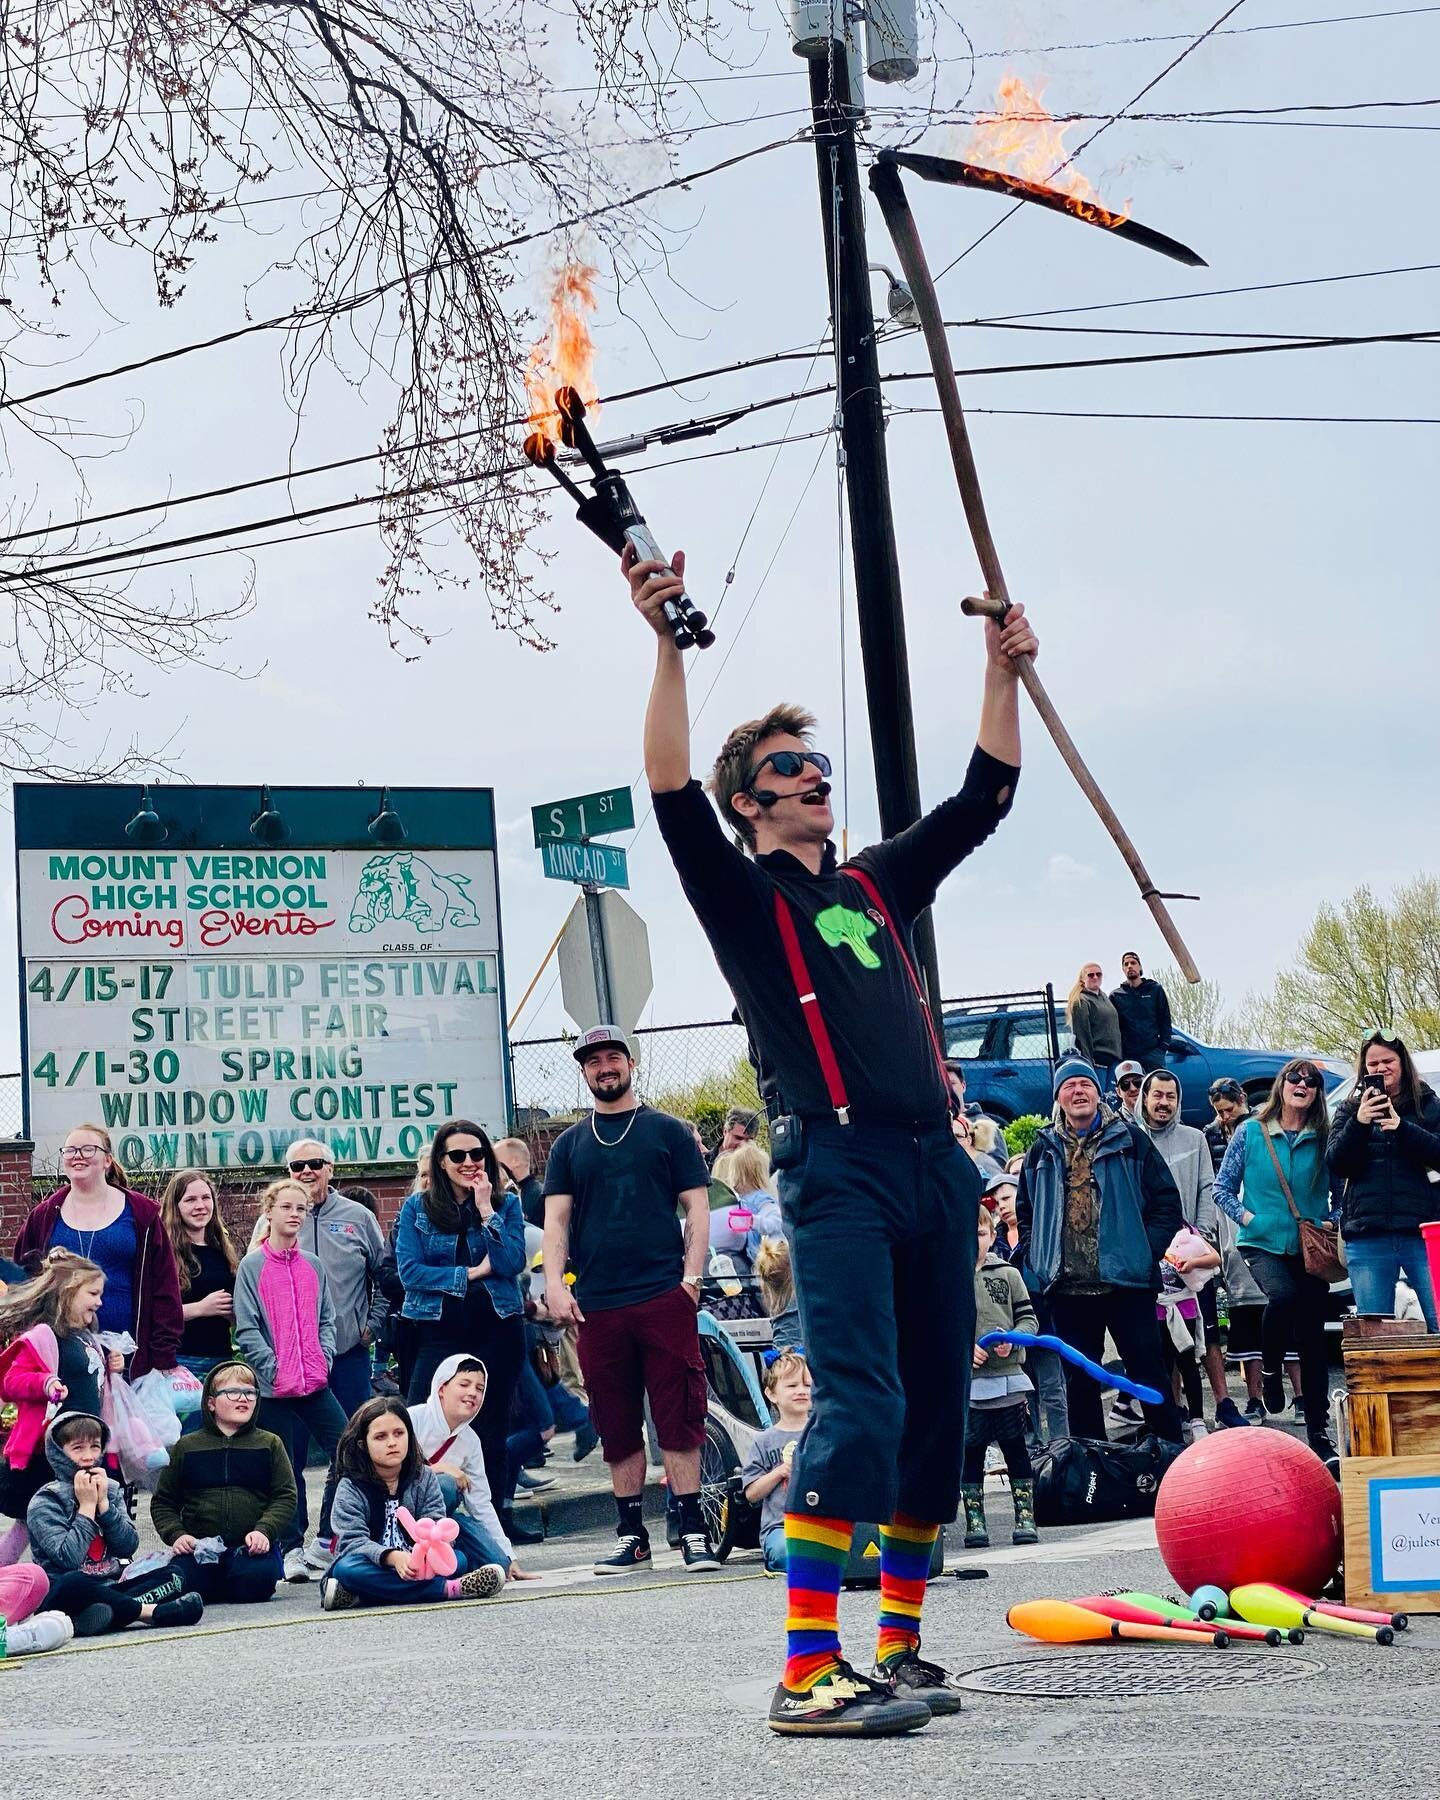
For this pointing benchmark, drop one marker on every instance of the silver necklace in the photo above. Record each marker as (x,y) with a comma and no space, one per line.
(613,1143)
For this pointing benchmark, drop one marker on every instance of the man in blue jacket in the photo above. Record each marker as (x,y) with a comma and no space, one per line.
(1097,1209)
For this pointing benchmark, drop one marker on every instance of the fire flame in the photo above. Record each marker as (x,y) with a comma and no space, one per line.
(1021,138)
(564,356)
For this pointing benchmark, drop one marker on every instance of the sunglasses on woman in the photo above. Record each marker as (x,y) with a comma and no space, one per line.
(463,1156)
(1302,1080)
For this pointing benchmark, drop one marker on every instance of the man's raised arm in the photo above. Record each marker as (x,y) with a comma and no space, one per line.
(667,717)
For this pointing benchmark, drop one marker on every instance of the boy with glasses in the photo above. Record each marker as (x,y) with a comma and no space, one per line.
(228,1481)
(819,959)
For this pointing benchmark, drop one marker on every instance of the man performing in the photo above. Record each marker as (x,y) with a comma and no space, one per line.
(818,958)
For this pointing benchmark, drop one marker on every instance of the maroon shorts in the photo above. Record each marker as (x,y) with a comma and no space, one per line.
(649,1350)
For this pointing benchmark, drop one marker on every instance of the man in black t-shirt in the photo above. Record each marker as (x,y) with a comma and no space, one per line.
(879,1202)
(612,1187)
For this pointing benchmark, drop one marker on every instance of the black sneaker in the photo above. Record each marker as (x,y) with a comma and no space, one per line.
(189,1609)
(631,1553)
(1273,1389)
(845,1704)
(1254,1409)
(912,1678)
(334,1598)
(150,1590)
(1228,1414)
(1326,1451)
(695,1548)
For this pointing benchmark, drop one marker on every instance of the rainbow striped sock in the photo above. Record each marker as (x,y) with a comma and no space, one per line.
(906,1546)
(816,1552)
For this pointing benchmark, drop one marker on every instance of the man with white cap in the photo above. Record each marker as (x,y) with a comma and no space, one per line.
(613,1184)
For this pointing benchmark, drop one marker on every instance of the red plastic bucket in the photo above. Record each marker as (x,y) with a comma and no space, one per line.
(1431,1235)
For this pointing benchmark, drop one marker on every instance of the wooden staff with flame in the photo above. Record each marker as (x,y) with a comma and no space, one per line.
(900,221)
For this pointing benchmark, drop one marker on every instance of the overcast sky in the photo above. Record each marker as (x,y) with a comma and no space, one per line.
(1238,620)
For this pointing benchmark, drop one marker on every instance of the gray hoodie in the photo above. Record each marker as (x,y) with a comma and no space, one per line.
(345,1237)
(358,1514)
(62,1539)
(1187,1155)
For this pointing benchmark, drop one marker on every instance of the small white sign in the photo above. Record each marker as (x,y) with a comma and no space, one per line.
(1405,1534)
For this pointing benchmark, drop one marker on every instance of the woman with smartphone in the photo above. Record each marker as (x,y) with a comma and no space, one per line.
(1385,1148)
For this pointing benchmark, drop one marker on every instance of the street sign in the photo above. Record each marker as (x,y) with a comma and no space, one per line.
(586,816)
(625,945)
(602,865)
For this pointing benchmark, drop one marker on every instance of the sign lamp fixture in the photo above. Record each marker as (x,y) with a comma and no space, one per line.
(267,827)
(146,828)
(387,827)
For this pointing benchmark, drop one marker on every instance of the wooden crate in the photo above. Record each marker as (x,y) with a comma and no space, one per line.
(1411,1484)
(1394,1385)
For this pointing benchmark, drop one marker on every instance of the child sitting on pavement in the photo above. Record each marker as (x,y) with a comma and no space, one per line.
(383,1471)
(229,1480)
(997,1394)
(452,1452)
(765,1476)
(82,1536)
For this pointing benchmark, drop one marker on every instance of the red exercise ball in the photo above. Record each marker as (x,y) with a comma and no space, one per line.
(1249,1505)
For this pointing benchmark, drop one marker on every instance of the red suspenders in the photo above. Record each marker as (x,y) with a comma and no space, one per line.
(810,1005)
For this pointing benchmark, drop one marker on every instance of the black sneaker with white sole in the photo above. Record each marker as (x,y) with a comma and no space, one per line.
(632,1553)
(334,1598)
(696,1551)
(912,1678)
(846,1704)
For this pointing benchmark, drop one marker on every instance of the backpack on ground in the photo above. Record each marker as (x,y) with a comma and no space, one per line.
(1089,1481)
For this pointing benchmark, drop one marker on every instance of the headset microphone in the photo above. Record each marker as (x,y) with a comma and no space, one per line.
(767,798)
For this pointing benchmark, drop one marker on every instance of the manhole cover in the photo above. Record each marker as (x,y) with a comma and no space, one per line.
(1111,1674)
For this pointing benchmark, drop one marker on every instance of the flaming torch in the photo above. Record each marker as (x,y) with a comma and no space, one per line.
(564,357)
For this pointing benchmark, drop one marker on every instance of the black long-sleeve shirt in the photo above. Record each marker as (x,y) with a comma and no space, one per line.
(874,1018)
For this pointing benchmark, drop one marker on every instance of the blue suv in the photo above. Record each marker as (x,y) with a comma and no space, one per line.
(1007,1052)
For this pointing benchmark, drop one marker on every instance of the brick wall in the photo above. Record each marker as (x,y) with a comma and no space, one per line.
(16,1189)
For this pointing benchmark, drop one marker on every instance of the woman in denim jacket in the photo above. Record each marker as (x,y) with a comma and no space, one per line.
(460,1249)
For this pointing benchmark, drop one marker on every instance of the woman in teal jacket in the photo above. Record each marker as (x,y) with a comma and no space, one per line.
(1285,1139)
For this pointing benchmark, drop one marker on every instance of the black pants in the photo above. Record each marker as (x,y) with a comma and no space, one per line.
(1295,1315)
(1002,1425)
(881,1223)
(1188,1363)
(501,1347)
(1128,1314)
(74,1594)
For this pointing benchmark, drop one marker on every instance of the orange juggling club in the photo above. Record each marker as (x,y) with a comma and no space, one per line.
(1060,1622)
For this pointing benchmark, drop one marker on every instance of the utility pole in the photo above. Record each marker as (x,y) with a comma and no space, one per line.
(823,33)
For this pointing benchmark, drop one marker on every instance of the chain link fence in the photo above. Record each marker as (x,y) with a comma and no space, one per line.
(685,1069)
(12,1105)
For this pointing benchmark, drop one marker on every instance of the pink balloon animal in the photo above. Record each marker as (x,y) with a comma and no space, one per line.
(432,1554)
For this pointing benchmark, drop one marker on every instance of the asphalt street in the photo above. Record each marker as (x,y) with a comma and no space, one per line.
(658,1686)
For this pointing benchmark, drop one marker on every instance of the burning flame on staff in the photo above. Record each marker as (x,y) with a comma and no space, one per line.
(563,357)
(1022,139)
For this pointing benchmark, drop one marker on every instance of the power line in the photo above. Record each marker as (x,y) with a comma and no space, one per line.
(1050,412)
(137,554)
(1256,287)
(1172,65)
(352,303)
(689,427)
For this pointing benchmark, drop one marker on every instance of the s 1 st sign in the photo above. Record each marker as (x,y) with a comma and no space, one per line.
(585,816)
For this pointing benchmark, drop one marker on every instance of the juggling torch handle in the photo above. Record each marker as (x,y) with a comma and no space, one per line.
(900,221)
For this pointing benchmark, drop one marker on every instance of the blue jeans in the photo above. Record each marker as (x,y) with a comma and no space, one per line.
(381,1586)
(538,1409)
(295,1420)
(1375,1265)
(238,1579)
(474,1546)
(772,1544)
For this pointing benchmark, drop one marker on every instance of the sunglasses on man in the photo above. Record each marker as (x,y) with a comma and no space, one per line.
(1127,1083)
(789,763)
(308,1162)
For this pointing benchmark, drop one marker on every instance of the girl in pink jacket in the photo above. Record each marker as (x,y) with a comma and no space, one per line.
(51,1358)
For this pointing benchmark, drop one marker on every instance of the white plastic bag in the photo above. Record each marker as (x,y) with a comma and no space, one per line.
(177,1394)
(134,1438)
(153,1393)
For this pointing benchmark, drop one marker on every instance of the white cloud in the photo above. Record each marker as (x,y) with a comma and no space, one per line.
(1066,871)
